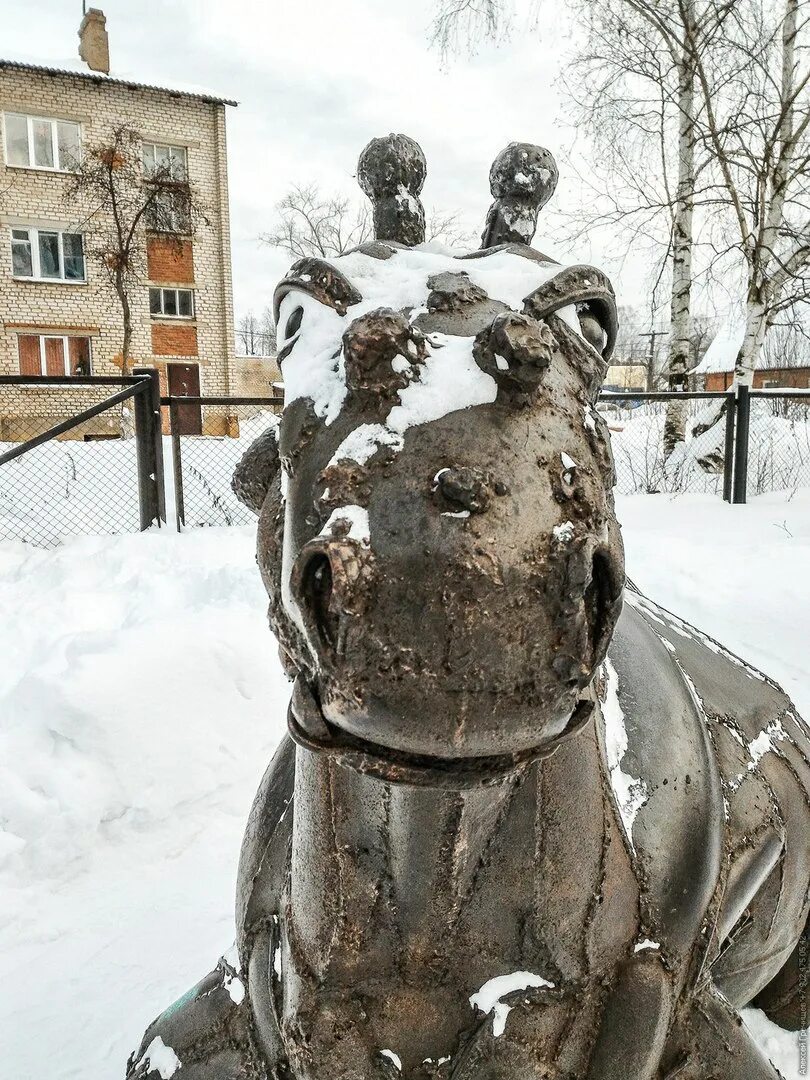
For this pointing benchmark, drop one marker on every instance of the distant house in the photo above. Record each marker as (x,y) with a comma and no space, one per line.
(716,369)
(58,314)
(626,377)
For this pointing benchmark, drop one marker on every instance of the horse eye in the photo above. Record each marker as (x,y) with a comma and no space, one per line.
(289,333)
(590,328)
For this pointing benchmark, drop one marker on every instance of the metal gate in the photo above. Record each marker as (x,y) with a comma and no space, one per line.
(203,463)
(67,470)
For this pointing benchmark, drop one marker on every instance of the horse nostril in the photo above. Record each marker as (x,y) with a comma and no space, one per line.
(599,602)
(317,594)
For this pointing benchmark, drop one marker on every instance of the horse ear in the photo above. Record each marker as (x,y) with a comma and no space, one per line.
(392,171)
(522,180)
(257,470)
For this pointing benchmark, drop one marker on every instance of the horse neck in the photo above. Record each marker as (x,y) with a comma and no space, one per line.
(362,846)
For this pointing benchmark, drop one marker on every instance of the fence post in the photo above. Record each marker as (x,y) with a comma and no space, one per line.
(151,485)
(728,454)
(741,443)
(177,462)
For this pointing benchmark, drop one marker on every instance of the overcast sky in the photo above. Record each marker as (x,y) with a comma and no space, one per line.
(315,80)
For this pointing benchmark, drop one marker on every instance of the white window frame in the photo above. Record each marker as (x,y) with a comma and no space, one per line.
(65,339)
(54,121)
(165,146)
(175,289)
(33,239)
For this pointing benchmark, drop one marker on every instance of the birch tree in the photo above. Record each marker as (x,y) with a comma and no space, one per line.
(633,81)
(756,114)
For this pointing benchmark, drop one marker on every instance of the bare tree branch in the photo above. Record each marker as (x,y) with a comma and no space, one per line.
(311,224)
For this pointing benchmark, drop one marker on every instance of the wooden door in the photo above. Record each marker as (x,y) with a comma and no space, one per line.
(54,356)
(184,381)
(30,356)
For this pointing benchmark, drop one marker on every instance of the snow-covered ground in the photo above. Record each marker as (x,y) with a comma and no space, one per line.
(141,697)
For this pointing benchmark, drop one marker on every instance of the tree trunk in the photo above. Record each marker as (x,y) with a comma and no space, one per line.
(127,419)
(764,284)
(680,306)
(126,312)
(756,327)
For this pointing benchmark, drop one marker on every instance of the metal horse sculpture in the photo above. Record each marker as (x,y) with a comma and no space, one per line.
(519,829)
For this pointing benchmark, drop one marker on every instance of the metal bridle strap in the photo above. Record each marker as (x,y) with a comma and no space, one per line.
(417,770)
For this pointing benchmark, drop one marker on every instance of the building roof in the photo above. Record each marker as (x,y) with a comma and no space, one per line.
(76,68)
(721,354)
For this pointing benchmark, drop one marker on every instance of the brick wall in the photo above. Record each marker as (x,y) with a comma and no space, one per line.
(26,411)
(36,198)
(174,339)
(253,376)
(787,378)
(170,261)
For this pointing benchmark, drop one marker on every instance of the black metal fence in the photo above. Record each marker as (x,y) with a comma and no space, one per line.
(102,470)
(78,456)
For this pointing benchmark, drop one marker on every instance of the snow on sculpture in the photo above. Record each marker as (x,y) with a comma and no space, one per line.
(485,848)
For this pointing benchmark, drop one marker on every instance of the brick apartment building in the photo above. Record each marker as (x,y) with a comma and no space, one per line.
(58,311)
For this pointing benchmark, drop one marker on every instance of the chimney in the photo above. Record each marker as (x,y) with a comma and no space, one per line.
(94,45)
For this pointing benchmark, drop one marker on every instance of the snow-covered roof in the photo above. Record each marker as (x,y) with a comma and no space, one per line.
(721,354)
(80,69)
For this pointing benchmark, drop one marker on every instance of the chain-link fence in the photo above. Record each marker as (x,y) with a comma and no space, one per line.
(73,459)
(767,434)
(644,463)
(203,463)
(778,442)
(85,456)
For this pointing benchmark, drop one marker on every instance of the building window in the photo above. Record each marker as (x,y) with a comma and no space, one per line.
(47,255)
(165,162)
(54,354)
(36,142)
(169,213)
(167,166)
(172,303)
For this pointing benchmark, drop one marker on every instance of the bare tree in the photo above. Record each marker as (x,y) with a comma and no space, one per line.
(267,333)
(635,84)
(312,224)
(460,23)
(447,227)
(256,335)
(247,331)
(787,345)
(126,199)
